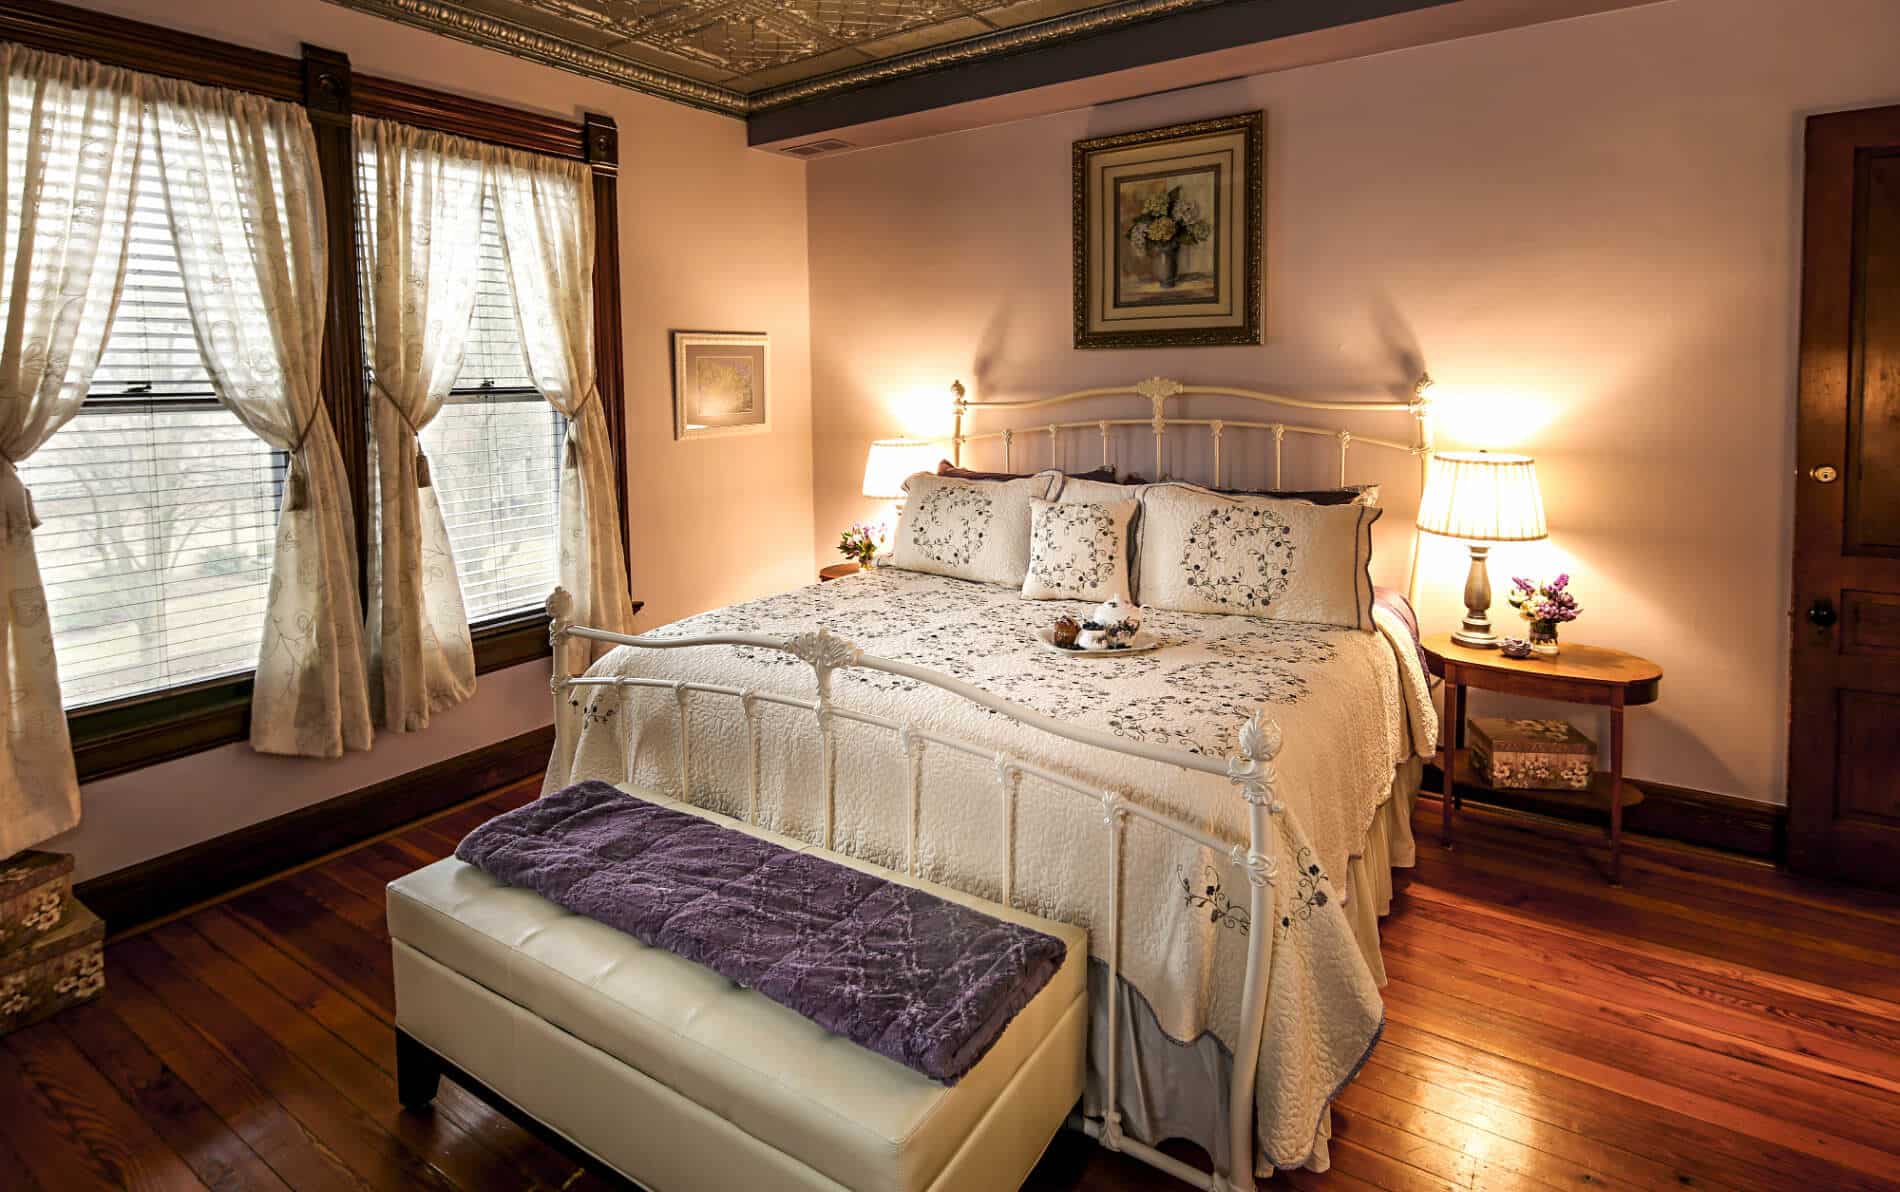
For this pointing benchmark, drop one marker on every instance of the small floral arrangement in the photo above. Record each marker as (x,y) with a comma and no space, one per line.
(1545,606)
(860,543)
(1168,221)
(1547,603)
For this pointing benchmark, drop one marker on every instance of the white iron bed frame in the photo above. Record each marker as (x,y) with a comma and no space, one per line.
(1250,767)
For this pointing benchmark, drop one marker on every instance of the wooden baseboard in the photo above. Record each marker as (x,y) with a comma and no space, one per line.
(154,889)
(1677,813)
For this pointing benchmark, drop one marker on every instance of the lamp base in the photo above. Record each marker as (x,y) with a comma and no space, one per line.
(1475,633)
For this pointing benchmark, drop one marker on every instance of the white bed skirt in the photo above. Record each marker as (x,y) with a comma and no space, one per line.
(1170,1088)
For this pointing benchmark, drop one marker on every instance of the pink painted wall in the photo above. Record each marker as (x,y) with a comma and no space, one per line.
(1587,230)
(712,237)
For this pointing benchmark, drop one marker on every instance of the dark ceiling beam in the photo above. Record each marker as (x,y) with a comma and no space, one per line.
(1196,31)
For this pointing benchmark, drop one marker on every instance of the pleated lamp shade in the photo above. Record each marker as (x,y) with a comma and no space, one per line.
(1481,496)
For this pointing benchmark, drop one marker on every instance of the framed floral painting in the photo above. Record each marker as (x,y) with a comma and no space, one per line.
(719,383)
(1167,235)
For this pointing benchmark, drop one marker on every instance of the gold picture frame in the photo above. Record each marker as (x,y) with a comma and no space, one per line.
(720,383)
(1167,232)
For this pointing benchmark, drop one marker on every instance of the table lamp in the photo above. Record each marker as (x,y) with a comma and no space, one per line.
(893,461)
(1481,497)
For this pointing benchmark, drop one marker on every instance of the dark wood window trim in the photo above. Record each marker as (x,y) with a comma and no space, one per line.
(154,49)
(128,734)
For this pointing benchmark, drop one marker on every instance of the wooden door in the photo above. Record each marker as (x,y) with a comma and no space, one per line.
(1844,743)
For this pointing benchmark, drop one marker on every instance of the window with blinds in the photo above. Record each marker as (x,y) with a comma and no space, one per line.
(159,506)
(494,449)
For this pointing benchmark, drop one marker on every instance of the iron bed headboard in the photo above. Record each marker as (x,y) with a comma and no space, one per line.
(1159,391)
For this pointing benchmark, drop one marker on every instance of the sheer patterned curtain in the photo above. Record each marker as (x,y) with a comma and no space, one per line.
(246,205)
(546,211)
(71,136)
(419,200)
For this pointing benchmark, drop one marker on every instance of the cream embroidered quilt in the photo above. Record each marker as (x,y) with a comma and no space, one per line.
(1352,705)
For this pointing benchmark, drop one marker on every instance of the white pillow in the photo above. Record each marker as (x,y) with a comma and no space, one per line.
(968,529)
(1079,551)
(1202,552)
(1095,492)
(1101,492)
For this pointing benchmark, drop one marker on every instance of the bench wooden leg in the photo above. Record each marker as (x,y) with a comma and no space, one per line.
(418,1072)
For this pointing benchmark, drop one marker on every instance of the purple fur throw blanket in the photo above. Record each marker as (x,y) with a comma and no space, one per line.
(926,982)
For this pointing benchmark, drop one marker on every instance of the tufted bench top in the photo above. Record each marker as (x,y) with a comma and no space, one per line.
(858,1118)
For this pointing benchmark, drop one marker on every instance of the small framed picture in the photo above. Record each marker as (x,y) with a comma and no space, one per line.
(719,383)
(1167,235)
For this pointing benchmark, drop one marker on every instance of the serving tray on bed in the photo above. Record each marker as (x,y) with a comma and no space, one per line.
(1143,643)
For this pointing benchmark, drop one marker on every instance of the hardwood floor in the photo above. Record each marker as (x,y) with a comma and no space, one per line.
(1713,1024)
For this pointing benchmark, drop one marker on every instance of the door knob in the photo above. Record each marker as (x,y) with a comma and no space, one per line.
(1821,613)
(1824,474)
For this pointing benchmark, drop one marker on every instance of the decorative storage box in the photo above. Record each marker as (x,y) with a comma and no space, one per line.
(1531,754)
(34,890)
(60,969)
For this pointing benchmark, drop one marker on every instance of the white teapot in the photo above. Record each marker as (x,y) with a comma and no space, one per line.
(1111,625)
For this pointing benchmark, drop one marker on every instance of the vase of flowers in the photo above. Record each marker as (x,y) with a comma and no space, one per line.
(1168,266)
(1546,606)
(1167,224)
(860,543)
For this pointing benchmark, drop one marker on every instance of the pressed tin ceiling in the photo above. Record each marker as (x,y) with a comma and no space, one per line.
(747,56)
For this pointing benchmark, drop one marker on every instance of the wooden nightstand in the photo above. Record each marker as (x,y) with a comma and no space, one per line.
(838,571)
(1579,674)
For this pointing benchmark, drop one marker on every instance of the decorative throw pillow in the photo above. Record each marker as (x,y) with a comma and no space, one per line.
(1078,551)
(1079,491)
(1202,552)
(968,529)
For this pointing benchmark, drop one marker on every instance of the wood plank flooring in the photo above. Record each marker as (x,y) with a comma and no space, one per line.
(1712,1024)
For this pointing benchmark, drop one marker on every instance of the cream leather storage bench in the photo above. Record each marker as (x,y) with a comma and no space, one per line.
(679,1079)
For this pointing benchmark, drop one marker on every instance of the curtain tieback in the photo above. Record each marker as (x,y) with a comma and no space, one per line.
(592,394)
(20,516)
(297,484)
(415,432)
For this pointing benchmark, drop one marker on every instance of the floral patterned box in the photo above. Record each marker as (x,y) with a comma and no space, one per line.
(60,969)
(1531,754)
(34,890)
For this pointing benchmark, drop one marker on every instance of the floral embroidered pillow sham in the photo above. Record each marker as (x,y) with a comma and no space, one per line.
(968,529)
(1202,552)
(1079,551)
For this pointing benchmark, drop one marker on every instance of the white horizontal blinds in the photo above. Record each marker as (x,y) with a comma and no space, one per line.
(151,349)
(156,548)
(495,456)
(495,448)
(495,358)
(496,463)
(159,506)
